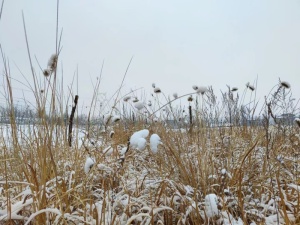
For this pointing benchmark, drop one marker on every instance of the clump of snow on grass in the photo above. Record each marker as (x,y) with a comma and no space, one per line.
(126,98)
(154,142)
(211,205)
(141,144)
(108,151)
(201,90)
(106,118)
(116,118)
(88,164)
(137,140)
(139,105)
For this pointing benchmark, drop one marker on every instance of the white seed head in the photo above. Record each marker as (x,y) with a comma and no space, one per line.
(251,87)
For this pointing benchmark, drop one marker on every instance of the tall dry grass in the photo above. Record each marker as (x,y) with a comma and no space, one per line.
(251,168)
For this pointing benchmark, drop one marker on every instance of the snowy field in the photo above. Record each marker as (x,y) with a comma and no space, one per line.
(164,176)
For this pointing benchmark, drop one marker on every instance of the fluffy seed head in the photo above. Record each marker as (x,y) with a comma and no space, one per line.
(126,98)
(285,84)
(175,95)
(195,87)
(52,63)
(251,87)
(202,90)
(46,72)
(153,85)
(157,90)
(190,98)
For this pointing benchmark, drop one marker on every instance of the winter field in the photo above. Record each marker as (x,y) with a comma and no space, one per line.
(229,158)
(120,171)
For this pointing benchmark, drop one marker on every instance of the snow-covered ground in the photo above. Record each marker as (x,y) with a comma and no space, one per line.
(162,176)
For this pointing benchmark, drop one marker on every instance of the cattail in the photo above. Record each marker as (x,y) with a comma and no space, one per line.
(251,87)
(46,72)
(175,95)
(157,90)
(202,90)
(285,84)
(153,85)
(297,120)
(52,63)
(234,89)
(195,87)
(190,98)
(126,98)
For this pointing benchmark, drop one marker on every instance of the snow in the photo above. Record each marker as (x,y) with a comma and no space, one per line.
(139,105)
(108,151)
(126,98)
(135,141)
(223,171)
(154,142)
(211,205)
(116,118)
(201,89)
(122,151)
(88,164)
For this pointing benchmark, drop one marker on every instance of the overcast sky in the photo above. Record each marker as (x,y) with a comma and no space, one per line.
(175,44)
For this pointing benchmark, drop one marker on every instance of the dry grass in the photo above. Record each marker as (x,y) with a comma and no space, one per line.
(43,181)
(253,170)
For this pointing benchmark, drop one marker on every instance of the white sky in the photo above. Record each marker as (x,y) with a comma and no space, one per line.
(175,44)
